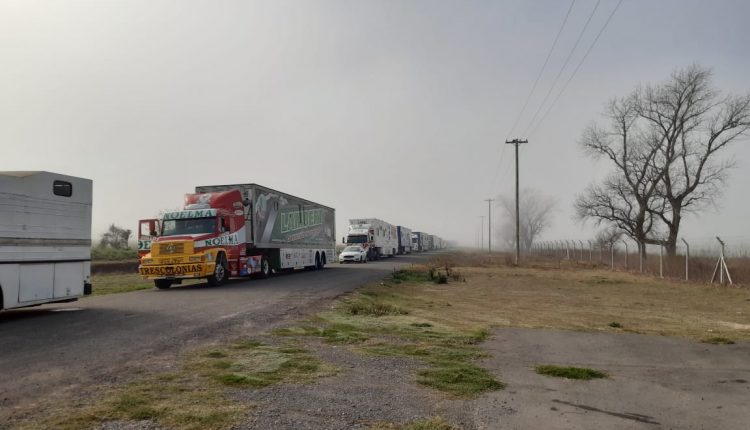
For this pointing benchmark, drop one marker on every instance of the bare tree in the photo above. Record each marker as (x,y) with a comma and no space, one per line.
(664,142)
(626,198)
(694,123)
(536,212)
(607,237)
(115,237)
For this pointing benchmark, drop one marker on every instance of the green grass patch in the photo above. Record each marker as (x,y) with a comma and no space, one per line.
(427,424)
(569,372)
(194,397)
(459,378)
(103,284)
(375,309)
(412,275)
(115,283)
(404,327)
(422,324)
(718,340)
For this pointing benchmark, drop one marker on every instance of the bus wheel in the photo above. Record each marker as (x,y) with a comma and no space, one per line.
(162,284)
(220,272)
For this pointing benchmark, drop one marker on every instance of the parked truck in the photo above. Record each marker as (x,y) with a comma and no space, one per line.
(418,240)
(377,237)
(235,230)
(45,238)
(404,240)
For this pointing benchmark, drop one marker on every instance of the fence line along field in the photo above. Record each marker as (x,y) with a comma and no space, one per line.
(696,259)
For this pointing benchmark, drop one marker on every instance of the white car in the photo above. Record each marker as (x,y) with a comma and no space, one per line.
(353,253)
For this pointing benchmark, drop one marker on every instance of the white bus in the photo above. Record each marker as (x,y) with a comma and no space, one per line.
(45,238)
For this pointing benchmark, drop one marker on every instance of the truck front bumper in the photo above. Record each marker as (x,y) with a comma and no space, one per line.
(177,271)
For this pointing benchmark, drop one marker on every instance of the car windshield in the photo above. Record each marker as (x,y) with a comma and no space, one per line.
(176,227)
(352,249)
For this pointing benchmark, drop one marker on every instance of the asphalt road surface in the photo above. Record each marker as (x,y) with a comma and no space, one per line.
(56,350)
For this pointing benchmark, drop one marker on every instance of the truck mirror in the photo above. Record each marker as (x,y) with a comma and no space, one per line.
(343,240)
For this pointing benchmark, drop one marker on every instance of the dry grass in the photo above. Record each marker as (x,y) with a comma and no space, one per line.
(587,300)
(194,397)
(116,283)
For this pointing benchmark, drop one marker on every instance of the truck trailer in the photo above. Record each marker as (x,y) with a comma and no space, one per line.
(235,230)
(377,237)
(45,238)
(420,241)
(404,240)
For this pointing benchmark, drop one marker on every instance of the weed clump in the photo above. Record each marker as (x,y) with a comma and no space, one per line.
(615,324)
(718,340)
(569,372)
(375,309)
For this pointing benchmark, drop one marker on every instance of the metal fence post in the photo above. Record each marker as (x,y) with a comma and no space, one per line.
(687,259)
(661,261)
(590,249)
(612,250)
(626,253)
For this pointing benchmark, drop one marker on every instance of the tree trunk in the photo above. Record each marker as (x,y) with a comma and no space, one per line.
(674,229)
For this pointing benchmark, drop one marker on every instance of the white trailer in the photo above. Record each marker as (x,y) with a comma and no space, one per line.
(379,238)
(45,238)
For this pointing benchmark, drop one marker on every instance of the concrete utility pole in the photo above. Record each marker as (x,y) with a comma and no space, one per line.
(489,223)
(516,142)
(482,234)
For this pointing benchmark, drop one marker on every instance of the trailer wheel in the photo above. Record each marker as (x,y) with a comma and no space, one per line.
(265,267)
(318,262)
(220,272)
(323,261)
(162,284)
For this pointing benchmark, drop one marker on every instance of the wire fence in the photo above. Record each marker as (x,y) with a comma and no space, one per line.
(723,260)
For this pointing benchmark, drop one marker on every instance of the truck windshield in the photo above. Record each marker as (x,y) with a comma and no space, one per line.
(176,227)
(356,239)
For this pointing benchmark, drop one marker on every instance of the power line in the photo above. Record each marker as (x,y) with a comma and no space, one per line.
(541,71)
(565,64)
(577,67)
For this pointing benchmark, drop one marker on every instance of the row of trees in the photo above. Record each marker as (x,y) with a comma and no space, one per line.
(664,144)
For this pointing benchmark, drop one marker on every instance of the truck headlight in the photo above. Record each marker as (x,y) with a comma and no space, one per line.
(147,261)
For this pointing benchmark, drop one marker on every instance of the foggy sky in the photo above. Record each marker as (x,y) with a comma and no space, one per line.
(389,109)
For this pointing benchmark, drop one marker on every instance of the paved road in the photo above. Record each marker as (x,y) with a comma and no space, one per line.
(56,349)
(656,382)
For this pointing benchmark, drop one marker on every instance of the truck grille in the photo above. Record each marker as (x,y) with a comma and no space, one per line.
(170,248)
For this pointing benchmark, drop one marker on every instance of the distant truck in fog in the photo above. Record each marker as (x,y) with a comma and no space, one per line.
(377,237)
(404,240)
(45,238)
(419,241)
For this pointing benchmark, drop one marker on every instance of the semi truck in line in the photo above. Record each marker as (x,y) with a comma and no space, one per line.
(377,237)
(235,230)
(404,240)
(45,238)
(418,241)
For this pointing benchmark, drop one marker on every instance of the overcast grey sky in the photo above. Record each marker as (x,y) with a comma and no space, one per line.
(388,109)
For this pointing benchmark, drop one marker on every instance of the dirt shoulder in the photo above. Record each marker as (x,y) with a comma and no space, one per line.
(412,353)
